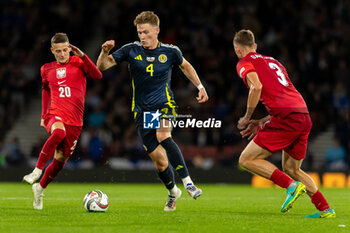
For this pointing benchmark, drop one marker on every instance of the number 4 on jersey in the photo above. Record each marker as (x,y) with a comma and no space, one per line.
(150,69)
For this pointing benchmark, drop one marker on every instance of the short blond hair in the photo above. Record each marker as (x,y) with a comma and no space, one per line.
(147,17)
(59,37)
(244,37)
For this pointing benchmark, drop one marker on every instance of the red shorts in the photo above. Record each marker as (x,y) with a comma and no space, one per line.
(67,146)
(289,134)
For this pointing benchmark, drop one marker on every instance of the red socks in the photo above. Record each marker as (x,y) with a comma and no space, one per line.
(319,201)
(281,179)
(51,172)
(45,155)
(50,146)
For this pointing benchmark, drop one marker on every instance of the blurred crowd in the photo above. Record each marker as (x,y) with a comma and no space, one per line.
(310,38)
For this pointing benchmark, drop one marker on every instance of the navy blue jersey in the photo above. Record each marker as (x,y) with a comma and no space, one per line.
(150,71)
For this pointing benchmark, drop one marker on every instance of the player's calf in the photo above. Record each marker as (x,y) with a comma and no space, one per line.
(50,146)
(175,157)
(51,172)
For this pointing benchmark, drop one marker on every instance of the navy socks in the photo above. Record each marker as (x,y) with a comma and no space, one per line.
(175,157)
(167,177)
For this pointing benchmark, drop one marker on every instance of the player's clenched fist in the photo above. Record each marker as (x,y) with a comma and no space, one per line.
(202,96)
(108,45)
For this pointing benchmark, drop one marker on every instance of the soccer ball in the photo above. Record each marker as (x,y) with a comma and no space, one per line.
(96,201)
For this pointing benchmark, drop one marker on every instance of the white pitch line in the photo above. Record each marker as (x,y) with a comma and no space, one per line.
(119,199)
(15,198)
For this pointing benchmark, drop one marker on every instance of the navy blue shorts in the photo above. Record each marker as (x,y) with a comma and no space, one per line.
(149,136)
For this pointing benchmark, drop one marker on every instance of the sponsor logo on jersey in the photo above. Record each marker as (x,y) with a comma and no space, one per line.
(60,82)
(150,59)
(138,58)
(58,118)
(61,73)
(162,58)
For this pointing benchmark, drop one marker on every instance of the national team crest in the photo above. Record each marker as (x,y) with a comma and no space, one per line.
(61,73)
(162,58)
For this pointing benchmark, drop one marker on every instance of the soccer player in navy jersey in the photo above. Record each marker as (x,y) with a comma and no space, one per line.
(150,65)
(286,128)
(63,99)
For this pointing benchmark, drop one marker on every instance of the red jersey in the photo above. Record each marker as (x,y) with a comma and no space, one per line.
(278,94)
(64,88)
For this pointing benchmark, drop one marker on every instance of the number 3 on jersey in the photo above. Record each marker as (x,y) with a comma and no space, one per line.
(150,69)
(282,78)
(64,92)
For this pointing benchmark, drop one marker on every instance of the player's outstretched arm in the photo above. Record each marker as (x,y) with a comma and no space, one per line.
(105,61)
(191,74)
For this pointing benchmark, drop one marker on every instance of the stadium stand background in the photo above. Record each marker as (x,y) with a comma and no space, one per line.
(311,38)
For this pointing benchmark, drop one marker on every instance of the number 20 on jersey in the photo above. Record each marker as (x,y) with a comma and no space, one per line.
(64,92)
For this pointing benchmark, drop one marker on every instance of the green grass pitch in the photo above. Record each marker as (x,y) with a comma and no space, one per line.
(139,208)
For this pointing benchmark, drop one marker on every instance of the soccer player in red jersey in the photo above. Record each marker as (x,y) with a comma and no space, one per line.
(63,99)
(286,128)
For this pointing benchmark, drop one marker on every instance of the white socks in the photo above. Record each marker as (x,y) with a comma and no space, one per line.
(187,180)
(173,191)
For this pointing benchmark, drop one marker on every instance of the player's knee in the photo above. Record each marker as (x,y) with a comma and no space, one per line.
(161,165)
(243,161)
(161,136)
(59,156)
(59,134)
(159,159)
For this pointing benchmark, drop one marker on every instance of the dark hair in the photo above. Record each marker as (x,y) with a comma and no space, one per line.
(244,37)
(59,37)
(147,17)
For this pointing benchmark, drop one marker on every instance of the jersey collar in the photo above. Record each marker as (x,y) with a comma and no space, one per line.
(158,45)
(250,53)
